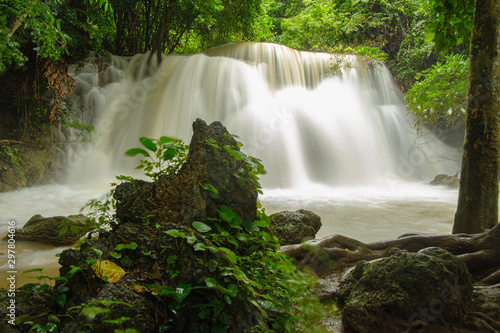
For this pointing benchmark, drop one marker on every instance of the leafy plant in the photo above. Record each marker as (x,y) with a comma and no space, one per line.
(10,154)
(439,100)
(262,275)
(164,156)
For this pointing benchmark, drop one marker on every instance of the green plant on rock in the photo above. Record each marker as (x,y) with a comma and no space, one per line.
(262,275)
(10,154)
(163,156)
(99,308)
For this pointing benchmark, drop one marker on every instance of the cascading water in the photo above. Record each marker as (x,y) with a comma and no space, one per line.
(331,131)
(307,127)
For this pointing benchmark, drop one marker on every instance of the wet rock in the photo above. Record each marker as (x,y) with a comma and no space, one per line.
(180,198)
(48,229)
(427,291)
(445,180)
(30,301)
(34,167)
(295,227)
(119,301)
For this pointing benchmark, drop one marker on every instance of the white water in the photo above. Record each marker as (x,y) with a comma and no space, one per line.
(341,147)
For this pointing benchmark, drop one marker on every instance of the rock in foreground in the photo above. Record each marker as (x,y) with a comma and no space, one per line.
(429,291)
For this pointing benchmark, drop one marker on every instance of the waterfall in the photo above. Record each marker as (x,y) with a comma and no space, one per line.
(313,118)
(330,129)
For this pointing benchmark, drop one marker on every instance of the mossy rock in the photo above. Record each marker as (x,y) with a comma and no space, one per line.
(34,167)
(295,227)
(50,230)
(429,290)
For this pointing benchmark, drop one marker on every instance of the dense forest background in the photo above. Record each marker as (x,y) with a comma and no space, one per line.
(424,43)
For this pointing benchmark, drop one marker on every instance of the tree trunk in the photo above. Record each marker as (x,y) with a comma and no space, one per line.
(14,23)
(477,208)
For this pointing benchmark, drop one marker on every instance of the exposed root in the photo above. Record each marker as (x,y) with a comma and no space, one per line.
(478,251)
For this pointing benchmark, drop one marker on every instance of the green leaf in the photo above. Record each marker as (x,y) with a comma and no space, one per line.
(175,233)
(74,269)
(63,230)
(148,143)
(115,255)
(199,247)
(210,188)
(131,246)
(226,214)
(234,153)
(211,282)
(235,222)
(229,254)
(92,311)
(201,227)
(182,291)
(33,270)
(261,223)
(97,251)
(136,151)
(171,260)
(169,154)
(166,139)
(191,239)
(232,290)
(118,321)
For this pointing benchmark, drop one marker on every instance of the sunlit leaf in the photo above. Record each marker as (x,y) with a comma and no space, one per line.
(108,269)
(136,151)
(148,143)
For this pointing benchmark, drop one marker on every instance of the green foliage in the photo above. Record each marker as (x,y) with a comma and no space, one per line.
(263,277)
(415,55)
(164,156)
(326,24)
(35,19)
(452,23)
(440,99)
(10,154)
(99,309)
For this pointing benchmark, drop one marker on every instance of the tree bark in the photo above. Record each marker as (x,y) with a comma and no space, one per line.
(14,23)
(477,208)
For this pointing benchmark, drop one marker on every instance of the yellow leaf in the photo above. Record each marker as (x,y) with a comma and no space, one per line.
(138,289)
(108,271)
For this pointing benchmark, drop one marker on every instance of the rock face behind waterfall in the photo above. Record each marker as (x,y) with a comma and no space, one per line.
(181,198)
(159,269)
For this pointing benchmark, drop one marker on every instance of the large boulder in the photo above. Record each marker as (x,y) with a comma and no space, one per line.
(295,227)
(429,291)
(181,198)
(55,230)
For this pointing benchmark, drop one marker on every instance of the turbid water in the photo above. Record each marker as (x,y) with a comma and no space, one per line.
(331,130)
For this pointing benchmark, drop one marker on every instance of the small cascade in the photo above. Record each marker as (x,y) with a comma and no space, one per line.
(311,117)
